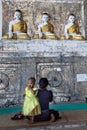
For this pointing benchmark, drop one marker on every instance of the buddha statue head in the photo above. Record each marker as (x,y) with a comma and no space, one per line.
(18,15)
(45,17)
(71,18)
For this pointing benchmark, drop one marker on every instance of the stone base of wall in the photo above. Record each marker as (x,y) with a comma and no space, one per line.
(64,63)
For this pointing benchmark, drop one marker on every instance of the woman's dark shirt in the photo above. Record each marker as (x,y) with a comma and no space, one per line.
(45,96)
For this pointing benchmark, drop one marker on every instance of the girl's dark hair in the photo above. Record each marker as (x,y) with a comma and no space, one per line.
(43,82)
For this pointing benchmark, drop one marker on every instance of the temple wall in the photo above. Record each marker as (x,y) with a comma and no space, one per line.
(64,63)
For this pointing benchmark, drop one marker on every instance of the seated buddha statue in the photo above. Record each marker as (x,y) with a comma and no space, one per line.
(17,28)
(45,29)
(72,30)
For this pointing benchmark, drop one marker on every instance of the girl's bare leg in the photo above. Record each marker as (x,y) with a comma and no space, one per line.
(32,119)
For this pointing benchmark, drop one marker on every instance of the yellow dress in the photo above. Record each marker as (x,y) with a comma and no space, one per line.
(73,29)
(47,28)
(31,104)
(18,27)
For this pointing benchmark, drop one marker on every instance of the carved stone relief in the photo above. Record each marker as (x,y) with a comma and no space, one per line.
(9,84)
(60,79)
(4,82)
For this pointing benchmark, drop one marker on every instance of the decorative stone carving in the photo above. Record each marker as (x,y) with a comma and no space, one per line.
(55,78)
(9,84)
(56,81)
(4,82)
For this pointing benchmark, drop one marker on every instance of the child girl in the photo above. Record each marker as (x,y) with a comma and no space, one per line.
(31,106)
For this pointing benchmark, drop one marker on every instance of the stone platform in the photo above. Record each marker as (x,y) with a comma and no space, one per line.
(72,120)
(42,48)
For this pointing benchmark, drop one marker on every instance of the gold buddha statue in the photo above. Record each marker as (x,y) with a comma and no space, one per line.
(45,29)
(17,28)
(72,30)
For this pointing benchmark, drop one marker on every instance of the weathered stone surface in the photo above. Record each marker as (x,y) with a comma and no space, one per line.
(59,61)
(43,48)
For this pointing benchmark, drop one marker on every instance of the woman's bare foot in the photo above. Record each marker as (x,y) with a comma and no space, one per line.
(52,118)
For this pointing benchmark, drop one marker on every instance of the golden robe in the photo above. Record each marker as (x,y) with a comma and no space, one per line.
(31,104)
(73,29)
(47,28)
(18,27)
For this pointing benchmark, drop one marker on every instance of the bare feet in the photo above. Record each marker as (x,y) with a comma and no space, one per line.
(32,119)
(52,118)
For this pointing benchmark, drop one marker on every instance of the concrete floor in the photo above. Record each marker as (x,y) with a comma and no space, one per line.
(76,120)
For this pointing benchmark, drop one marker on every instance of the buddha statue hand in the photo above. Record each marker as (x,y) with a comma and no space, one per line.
(10,34)
(40,34)
(67,36)
(74,34)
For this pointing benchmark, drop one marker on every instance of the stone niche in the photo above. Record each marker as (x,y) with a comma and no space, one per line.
(32,10)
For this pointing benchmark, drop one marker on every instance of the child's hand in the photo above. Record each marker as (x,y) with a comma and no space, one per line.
(23,95)
(29,86)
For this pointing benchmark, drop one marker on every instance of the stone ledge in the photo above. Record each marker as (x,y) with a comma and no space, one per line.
(42,48)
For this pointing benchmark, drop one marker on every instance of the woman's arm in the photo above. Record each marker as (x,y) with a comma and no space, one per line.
(51,96)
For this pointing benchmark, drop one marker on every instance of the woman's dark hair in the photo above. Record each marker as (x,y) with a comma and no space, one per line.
(43,82)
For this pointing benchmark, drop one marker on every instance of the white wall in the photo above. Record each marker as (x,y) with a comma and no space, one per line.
(0,19)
